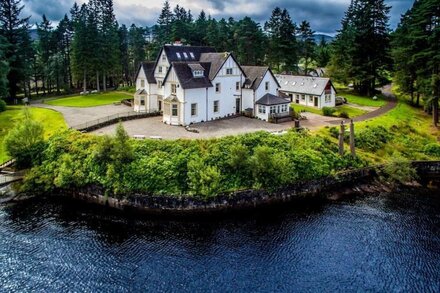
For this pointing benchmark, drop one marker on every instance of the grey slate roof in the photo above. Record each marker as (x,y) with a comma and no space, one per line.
(302,84)
(149,71)
(141,92)
(270,100)
(171,52)
(216,59)
(185,75)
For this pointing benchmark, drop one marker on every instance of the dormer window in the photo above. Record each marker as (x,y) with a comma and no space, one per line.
(164,58)
(198,73)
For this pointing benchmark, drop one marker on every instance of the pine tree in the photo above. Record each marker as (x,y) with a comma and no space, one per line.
(250,40)
(163,29)
(15,30)
(307,44)
(45,50)
(4,68)
(283,50)
(323,53)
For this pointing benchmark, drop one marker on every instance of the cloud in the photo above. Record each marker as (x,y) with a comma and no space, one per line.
(324,15)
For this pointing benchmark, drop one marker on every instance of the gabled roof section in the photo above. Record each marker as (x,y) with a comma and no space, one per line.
(185,75)
(186,53)
(255,75)
(270,100)
(303,84)
(148,68)
(140,92)
(217,60)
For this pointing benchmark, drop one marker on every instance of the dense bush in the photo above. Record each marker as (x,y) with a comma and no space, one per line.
(399,170)
(25,142)
(432,149)
(373,138)
(328,111)
(2,106)
(344,114)
(197,167)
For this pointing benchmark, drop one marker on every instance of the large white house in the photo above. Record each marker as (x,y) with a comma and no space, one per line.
(195,84)
(309,91)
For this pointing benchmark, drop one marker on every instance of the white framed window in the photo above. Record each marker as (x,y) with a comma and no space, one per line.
(142,83)
(164,58)
(174,88)
(142,101)
(228,71)
(328,98)
(261,109)
(237,86)
(160,69)
(303,98)
(174,111)
(216,106)
(198,73)
(273,109)
(311,99)
(218,87)
(159,84)
(193,109)
(284,108)
(266,85)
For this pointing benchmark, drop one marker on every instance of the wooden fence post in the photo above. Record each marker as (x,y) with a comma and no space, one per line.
(341,138)
(352,143)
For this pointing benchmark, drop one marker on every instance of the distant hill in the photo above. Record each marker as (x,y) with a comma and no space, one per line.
(327,38)
(33,33)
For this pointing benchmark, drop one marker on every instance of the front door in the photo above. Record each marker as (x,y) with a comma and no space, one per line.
(237,105)
(316,101)
(297,99)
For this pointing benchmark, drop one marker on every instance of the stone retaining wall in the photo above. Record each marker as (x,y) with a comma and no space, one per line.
(245,199)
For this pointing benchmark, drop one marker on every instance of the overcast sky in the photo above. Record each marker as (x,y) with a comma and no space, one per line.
(324,15)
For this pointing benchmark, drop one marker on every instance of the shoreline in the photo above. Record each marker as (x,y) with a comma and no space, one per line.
(333,188)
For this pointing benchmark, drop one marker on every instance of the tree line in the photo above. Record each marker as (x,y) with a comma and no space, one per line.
(88,49)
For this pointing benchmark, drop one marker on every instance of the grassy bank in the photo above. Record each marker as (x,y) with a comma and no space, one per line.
(362,100)
(405,131)
(52,121)
(351,111)
(91,100)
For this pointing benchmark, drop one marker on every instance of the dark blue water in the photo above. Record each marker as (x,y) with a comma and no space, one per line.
(375,244)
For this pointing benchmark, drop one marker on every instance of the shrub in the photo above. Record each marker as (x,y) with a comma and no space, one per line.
(399,170)
(373,138)
(25,142)
(2,106)
(334,132)
(344,114)
(328,111)
(432,149)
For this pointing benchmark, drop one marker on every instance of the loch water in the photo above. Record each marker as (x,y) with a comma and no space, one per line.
(379,243)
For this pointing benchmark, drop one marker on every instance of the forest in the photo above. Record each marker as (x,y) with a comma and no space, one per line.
(89,49)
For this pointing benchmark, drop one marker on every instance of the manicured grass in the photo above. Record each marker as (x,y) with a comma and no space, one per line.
(52,121)
(300,108)
(363,101)
(352,112)
(90,100)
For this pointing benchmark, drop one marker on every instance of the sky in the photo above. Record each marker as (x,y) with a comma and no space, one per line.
(323,15)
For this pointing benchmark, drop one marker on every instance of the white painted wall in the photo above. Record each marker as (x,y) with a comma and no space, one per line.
(198,97)
(261,90)
(228,94)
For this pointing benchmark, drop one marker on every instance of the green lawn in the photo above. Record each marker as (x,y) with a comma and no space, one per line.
(363,101)
(352,112)
(51,120)
(90,100)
